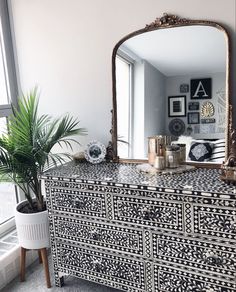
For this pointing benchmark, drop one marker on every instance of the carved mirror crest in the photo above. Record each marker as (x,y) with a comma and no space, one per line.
(183,61)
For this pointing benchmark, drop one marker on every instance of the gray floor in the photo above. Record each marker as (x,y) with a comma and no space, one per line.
(35,281)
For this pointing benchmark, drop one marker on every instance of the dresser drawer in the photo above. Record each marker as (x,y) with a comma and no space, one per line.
(195,253)
(215,221)
(168,279)
(119,238)
(78,201)
(97,265)
(158,213)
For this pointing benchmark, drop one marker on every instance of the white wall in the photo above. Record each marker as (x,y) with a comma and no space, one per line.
(65,47)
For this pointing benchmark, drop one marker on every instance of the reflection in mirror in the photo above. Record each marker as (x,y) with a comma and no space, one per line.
(173,82)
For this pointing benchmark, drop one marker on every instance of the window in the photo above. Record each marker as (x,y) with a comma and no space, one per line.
(124,68)
(8,94)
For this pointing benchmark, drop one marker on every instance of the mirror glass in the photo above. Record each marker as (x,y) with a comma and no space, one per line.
(171,81)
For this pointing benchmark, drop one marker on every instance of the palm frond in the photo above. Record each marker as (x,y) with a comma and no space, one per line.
(56,159)
(26,150)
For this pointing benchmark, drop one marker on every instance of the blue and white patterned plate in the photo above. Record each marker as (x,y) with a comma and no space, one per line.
(95,152)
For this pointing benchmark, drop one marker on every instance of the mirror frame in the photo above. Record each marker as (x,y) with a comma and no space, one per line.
(170,21)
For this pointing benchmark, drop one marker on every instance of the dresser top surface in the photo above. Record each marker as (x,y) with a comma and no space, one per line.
(199,179)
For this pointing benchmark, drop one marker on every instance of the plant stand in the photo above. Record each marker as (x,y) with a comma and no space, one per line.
(33,234)
(43,258)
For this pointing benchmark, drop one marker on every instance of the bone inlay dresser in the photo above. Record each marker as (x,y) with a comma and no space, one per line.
(113,225)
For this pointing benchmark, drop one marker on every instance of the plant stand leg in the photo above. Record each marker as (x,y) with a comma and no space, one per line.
(22,264)
(43,252)
(40,257)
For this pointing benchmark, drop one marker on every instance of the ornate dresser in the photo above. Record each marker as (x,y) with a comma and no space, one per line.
(113,225)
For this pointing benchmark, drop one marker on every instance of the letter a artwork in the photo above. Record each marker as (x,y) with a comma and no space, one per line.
(201,88)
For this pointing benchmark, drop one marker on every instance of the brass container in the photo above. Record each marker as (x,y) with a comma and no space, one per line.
(155,144)
(182,155)
(172,156)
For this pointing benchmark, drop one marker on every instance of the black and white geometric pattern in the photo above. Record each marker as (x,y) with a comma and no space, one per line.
(201,180)
(100,235)
(122,270)
(111,224)
(177,280)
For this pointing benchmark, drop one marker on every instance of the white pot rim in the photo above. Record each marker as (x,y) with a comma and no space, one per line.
(25,202)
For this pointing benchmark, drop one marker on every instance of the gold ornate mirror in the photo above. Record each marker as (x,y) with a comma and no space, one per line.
(171,78)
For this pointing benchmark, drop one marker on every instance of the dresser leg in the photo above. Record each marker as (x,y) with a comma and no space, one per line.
(59,281)
(45,265)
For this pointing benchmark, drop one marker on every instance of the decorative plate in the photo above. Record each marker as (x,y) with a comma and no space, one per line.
(207,109)
(95,152)
(176,127)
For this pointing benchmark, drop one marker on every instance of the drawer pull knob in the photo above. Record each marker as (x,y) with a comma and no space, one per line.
(212,258)
(97,265)
(94,234)
(145,213)
(79,203)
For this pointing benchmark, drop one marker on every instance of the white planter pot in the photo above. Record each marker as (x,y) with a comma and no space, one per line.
(32,229)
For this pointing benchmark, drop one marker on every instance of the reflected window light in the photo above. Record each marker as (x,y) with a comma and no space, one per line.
(124,100)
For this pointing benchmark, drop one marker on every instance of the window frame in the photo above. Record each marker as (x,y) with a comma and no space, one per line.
(8,51)
(6,43)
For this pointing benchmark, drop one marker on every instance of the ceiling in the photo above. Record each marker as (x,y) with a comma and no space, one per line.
(179,51)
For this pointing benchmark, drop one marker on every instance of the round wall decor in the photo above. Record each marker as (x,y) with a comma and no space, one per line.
(176,127)
(207,109)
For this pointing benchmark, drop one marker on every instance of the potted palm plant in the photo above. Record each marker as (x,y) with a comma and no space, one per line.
(25,152)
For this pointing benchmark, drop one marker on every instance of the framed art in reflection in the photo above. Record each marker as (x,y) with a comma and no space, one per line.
(201,88)
(184,88)
(193,118)
(177,106)
(193,106)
